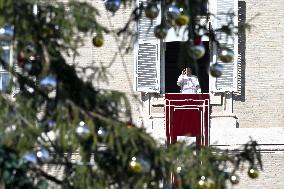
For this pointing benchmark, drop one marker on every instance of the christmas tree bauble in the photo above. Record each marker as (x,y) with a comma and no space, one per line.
(6,32)
(135,167)
(48,83)
(42,155)
(130,125)
(179,170)
(32,66)
(153,185)
(98,41)
(101,132)
(30,157)
(51,124)
(172,12)
(177,181)
(201,184)
(197,40)
(82,130)
(196,51)
(226,55)
(234,179)
(151,10)
(182,20)
(210,184)
(30,50)
(216,70)
(253,173)
(112,5)
(138,165)
(161,31)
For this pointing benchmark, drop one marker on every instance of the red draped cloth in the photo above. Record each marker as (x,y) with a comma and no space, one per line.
(187,115)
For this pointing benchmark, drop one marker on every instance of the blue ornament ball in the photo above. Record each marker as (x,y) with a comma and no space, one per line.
(112,5)
(49,83)
(216,70)
(172,12)
(6,32)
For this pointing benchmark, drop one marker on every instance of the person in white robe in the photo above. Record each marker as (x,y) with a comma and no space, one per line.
(188,83)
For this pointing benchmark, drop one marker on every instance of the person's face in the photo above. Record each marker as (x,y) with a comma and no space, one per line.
(188,71)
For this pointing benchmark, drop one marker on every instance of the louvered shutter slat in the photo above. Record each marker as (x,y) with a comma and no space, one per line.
(228,80)
(147,55)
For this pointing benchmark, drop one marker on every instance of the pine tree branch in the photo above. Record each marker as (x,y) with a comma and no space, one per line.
(47,176)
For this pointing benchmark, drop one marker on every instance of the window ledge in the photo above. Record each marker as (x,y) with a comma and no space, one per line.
(223,115)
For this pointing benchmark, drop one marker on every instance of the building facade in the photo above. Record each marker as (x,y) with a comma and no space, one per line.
(248,101)
(251,107)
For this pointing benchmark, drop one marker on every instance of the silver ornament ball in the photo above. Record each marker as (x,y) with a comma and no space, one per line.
(82,130)
(42,155)
(101,132)
(172,12)
(49,83)
(197,51)
(161,31)
(216,70)
(30,157)
(6,32)
(112,5)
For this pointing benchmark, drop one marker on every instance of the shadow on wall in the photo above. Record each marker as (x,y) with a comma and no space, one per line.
(240,94)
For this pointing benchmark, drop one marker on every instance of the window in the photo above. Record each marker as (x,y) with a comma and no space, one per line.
(154,59)
(175,58)
(6,56)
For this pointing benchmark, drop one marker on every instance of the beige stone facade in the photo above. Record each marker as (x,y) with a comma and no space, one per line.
(262,103)
(256,111)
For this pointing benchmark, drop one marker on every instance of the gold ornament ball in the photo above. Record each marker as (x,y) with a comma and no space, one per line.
(210,184)
(234,179)
(182,20)
(135,167)
(226,55)
(151,11)
(153,185)
(202,184)
(98,41)
(253,173)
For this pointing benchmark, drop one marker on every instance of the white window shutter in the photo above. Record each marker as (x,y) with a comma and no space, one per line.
(147,55)
(228,80)
(6,55)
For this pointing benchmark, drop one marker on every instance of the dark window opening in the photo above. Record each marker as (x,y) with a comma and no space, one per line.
(176,59)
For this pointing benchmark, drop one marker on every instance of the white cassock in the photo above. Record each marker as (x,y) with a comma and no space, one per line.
(188,84)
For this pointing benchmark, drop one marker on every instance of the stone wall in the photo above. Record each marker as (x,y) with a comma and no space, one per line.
(261,102)
(118,65)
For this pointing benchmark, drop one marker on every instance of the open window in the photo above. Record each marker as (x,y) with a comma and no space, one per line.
(156,62)
(176,58)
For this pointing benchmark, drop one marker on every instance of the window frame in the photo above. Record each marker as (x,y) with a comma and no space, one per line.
(3,72)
